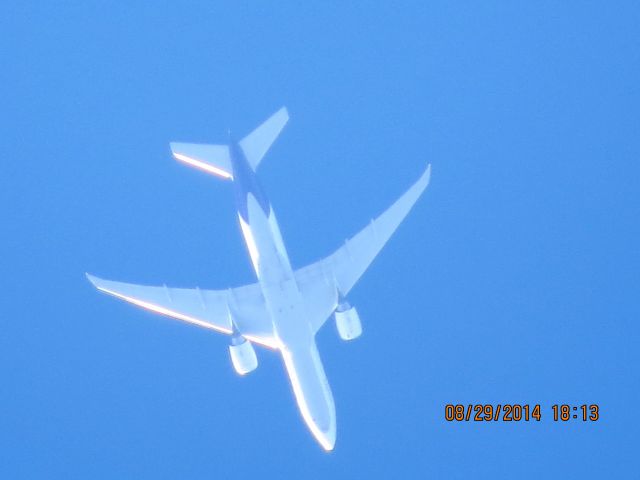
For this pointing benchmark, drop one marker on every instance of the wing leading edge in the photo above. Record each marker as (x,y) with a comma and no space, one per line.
(211,309)
(322,282)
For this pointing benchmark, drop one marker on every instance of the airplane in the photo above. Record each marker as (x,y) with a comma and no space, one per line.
(285,308)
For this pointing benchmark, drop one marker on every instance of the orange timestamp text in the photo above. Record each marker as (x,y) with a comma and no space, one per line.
(515,412)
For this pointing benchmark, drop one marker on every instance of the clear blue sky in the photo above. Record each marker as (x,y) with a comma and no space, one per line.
(515,279)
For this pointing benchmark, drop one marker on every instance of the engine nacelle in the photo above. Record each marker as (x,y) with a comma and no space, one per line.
(243,356)
(348,322)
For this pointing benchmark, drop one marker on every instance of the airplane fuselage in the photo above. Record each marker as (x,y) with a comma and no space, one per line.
(284,301)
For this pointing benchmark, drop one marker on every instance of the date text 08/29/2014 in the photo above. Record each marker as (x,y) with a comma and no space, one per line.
(515,412)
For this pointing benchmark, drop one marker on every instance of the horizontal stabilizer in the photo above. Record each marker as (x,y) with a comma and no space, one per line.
(210,158)
(256,144)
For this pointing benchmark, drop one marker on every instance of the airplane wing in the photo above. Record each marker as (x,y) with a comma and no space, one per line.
(211,309)
(321,282)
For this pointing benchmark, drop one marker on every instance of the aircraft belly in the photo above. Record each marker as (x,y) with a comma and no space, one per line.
(264,242)
(291,324)
(312,392)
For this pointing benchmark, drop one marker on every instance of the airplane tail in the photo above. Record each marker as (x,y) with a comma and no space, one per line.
(216,158)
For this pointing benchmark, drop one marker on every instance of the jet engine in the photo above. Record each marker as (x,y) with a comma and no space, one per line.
(348,322)
(243,356)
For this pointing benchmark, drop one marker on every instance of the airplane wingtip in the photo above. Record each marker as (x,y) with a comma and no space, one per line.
(174,147)
(426,176)
(93,279)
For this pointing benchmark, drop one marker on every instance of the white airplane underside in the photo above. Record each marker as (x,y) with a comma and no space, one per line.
(284,309)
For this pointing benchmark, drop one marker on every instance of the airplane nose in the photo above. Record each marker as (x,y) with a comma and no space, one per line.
(327,435)
(313,395)
(329,439)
